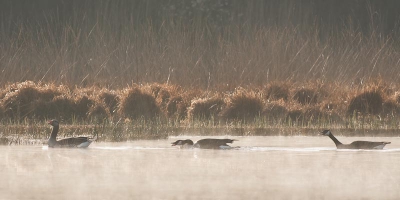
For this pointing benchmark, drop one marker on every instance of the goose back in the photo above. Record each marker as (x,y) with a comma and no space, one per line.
(80,142)
(367,145)
(213,143)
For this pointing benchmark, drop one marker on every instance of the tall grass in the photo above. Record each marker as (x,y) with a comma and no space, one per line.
(186,56)
(181,64)
(305,104)
(109,48)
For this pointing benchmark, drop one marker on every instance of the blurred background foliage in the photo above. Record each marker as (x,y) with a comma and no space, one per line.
(198,43)
(329,15)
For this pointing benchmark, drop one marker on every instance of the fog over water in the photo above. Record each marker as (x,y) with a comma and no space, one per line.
(262,168)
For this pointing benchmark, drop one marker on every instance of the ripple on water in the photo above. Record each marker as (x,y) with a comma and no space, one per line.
(128,147)
(313,149)
(247,148)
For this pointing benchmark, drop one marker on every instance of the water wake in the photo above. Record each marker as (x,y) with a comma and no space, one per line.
(291,149)
(128,147)
(314,149)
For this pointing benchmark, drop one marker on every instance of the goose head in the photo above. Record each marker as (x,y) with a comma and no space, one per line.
(326,132)
(182,143)
(53,122)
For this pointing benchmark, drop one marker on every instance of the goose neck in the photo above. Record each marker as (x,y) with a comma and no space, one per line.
(336,141)
(54,133)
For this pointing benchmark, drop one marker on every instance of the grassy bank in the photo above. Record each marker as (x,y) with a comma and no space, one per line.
(156,111)
(37,134)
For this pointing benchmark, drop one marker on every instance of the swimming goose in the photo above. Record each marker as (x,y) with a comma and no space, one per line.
(79,142)
(204,143)
(355,144)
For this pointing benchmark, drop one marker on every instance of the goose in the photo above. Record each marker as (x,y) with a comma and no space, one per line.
(204,143)
(79,142)
(355,144)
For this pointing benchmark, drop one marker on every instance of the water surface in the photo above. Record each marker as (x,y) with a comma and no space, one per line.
(262,168)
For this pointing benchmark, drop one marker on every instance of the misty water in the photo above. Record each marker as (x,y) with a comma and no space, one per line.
(262,168)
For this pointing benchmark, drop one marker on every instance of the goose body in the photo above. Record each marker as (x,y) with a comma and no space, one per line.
(204,144)
(355,144)
(78,142)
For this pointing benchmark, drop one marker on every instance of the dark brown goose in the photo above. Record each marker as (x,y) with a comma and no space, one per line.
(204,144)
(355,144)
(79,142)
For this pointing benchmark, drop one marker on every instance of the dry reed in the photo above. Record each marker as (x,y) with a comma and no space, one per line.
(78,66)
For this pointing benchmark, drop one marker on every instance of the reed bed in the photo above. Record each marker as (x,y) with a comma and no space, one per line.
(144,111)
(150,69)
(114,44)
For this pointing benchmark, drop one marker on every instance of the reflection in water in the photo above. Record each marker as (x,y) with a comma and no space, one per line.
(262,168)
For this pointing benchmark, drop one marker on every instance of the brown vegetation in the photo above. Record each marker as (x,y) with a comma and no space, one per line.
(110,100)
(276,91)
(100,45)
(275,110)
(306,96)
(177,107)
(136,103)
(243,105)
(368,102)
(28,100)
(205,108)
(295,68)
